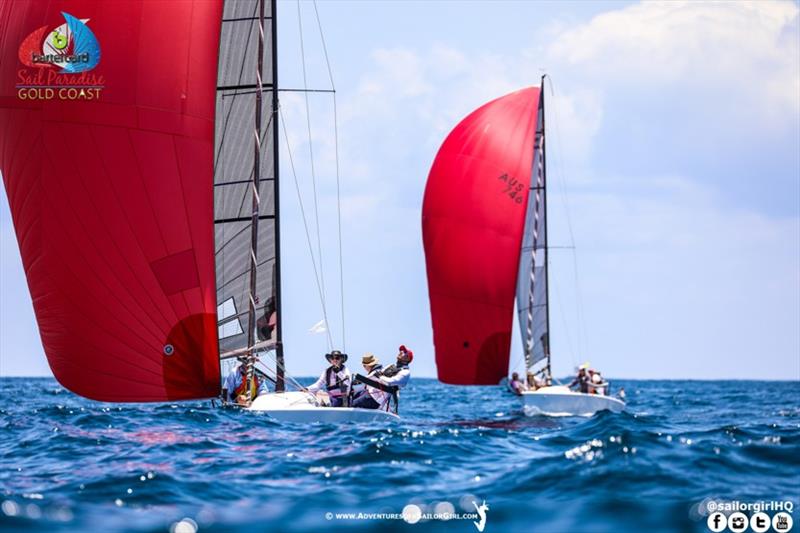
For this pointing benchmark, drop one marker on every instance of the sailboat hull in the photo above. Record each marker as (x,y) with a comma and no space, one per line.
(299,407)
(561,401)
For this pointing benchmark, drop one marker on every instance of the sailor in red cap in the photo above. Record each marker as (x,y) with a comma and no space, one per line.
(398,374)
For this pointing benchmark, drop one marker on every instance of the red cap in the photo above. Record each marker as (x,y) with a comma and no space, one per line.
(406,351)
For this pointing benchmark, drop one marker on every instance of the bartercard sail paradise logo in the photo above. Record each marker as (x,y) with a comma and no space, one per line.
(58,62)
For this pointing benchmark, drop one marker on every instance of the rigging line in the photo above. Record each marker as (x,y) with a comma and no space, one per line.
(311,157)
(324,46)
(564,320)
(583,340)
(292,381)
(305,226)
(338,187)
(256,203)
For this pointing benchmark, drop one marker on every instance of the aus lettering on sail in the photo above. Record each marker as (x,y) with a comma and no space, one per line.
(512,187)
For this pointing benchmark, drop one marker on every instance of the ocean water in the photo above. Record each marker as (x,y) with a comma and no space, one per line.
(70,464)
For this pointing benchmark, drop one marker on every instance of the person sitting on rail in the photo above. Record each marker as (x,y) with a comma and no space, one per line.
(516,385)
(235,386)
(581,379)
(596,384)
(398,374)
(335,380)
(370,397)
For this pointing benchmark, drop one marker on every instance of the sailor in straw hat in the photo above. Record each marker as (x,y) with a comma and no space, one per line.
(370,397)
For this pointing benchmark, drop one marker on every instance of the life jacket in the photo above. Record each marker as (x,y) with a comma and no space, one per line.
(393,370)
(339,386)
(242,387)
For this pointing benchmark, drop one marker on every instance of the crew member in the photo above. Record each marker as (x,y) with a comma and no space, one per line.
(335,380)
(370,397)
(235,386)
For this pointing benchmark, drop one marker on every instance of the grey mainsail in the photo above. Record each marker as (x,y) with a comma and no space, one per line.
(532,293)
(241,78)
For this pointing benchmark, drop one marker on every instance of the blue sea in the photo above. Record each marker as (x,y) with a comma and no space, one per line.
(70,464)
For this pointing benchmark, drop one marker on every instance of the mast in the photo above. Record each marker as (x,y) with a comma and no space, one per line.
(539,224)
(546,340)
(279,364)
(256,202)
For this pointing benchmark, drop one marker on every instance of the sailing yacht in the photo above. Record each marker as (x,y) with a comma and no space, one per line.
(484,228)
(141,166)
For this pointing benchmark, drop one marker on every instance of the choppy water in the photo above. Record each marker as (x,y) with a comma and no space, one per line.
(70,464)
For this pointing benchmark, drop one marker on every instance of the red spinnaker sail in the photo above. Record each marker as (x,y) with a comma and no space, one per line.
(108,168)
(473,217)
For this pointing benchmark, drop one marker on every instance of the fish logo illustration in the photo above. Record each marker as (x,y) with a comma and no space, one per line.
(482,508)
(71,47)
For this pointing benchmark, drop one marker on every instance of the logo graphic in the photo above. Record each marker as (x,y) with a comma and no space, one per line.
(57,62)
(717,522)
(759,522)
(482,508)
(737,522)
(71,47)
(782,522)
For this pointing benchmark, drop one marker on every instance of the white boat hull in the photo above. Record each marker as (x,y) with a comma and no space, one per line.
(299,407)
(561,401)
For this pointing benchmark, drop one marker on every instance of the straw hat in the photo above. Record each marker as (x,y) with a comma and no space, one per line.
(369,359)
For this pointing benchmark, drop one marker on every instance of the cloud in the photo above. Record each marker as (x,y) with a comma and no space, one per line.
(677,283)
(747,48)
(672,274)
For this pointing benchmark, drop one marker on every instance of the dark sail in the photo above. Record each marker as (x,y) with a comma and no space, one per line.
(234,166)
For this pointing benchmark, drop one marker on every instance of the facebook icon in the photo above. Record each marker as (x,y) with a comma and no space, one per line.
(717,522)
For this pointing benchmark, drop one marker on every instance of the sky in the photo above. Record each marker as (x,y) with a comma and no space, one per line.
(673,169)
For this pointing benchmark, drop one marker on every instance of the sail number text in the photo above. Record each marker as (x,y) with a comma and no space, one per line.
(513,188)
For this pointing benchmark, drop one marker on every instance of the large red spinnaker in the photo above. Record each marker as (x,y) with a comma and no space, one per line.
(111,193)
(473,218)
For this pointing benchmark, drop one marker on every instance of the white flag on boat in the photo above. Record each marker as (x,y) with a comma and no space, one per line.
(319,327)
